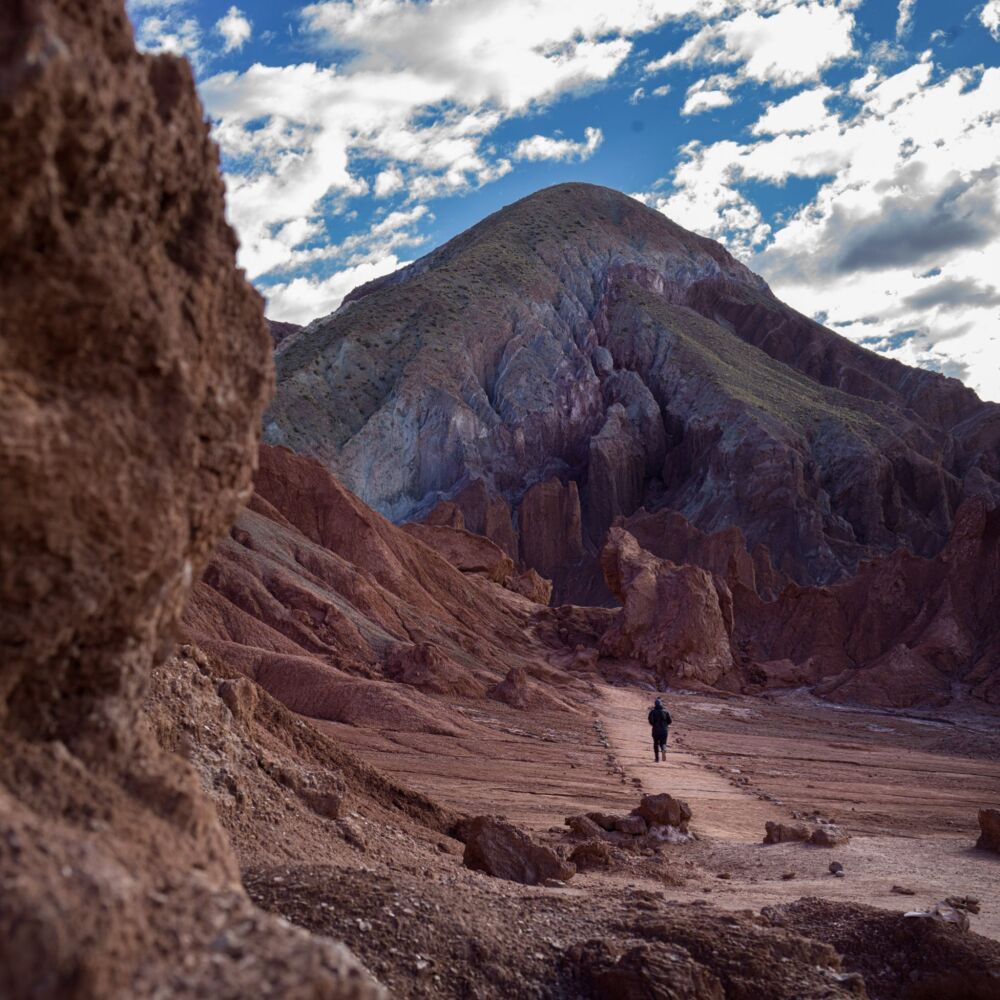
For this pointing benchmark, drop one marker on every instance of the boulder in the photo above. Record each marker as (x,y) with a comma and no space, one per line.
(989,827)
(591,854)
(671,620)
(828,835)
(664,810)
(818,834)
(584,826)
(632,826)
(786,833)
(500,849)
(604,820)
(942,913)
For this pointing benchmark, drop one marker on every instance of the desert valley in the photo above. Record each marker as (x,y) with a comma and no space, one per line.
(327,650)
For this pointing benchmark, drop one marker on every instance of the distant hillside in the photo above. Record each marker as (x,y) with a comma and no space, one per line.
(577,356)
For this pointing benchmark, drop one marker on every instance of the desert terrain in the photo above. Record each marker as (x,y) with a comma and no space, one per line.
(326,651)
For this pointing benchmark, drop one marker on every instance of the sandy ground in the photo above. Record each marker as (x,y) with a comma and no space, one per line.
(907,790)
(911,812)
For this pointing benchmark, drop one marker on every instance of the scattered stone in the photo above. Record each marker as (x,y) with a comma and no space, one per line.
(724,875)
(836,867)
(968,903)
(943,913)
(787,876)
(900,890)
(496,847)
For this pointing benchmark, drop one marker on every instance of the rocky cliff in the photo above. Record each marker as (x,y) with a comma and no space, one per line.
(577,356)
(134,368)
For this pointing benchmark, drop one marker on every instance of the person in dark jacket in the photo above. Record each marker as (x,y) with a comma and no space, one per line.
(659,719)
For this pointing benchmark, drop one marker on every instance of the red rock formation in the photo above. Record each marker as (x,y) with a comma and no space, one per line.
(135,367)
(318,599)
(465,551)
(550,527)
(671,621)
(905,631)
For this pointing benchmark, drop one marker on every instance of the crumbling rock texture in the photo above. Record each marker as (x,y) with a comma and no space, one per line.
(672,620)
(500,849)
(577,356)
(901,958)
(134,366)
(346,617)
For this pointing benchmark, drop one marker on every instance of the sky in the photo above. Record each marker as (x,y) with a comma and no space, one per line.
(846,150)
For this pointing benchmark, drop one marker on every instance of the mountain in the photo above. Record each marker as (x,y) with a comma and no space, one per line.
(577,356)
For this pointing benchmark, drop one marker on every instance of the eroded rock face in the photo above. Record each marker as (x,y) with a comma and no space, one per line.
(134,367)
(494,846)
(671,620)
(989,826)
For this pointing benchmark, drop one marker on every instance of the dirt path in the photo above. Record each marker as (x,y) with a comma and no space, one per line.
(721,810)
(912,826)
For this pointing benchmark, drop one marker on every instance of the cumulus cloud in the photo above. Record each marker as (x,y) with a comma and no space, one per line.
(791,46)
(708,94)
(805,112)
(543,147)
(415,89)
(903,231)
(164,26)
(305,298)
(235,29)
(990,18)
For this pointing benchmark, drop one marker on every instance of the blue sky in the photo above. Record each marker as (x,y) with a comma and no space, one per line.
(848,151)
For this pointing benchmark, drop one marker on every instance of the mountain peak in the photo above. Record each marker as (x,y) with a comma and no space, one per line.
(579,356)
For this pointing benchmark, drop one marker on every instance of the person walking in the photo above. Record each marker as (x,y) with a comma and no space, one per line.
(659,720)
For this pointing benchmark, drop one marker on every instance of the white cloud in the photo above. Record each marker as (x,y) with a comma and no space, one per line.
(904,19)
(167,29)
(637,95)
(235,29)
(791,46)
(662,90)
(805,112)
(898,248)
(990,18)
(388,182)
(709,94)
(418,91)
(543,147)
(304,299)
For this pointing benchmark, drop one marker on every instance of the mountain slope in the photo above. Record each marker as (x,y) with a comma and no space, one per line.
(577,356)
